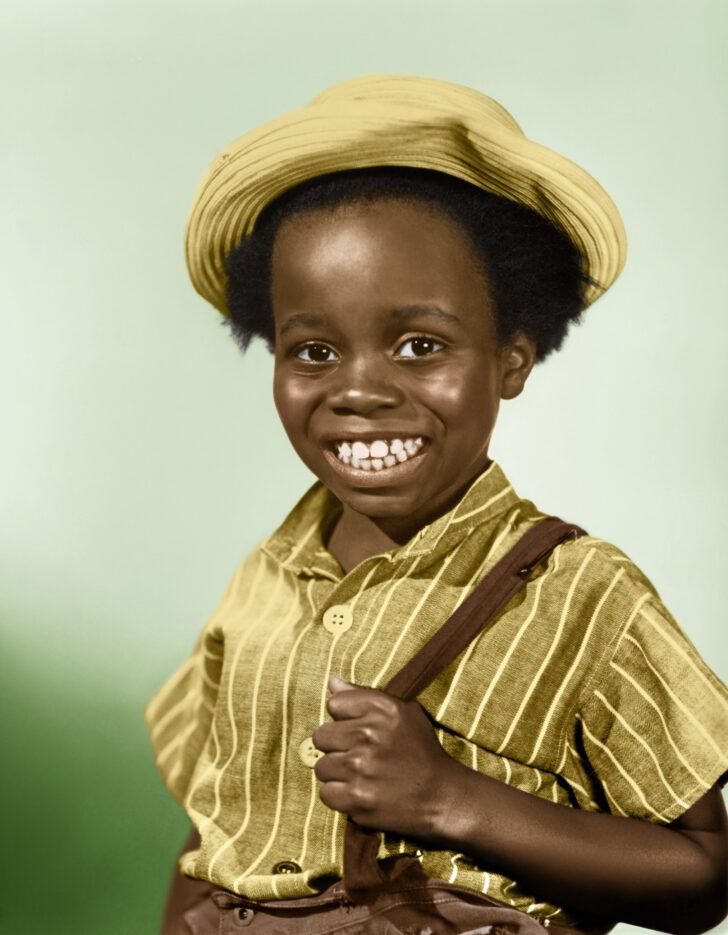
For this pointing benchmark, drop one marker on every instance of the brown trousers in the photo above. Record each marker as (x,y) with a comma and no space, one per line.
(436,908)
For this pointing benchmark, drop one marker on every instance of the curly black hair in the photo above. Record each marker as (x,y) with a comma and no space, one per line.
(533,269)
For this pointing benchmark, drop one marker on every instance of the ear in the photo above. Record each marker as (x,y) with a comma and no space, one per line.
(517,359)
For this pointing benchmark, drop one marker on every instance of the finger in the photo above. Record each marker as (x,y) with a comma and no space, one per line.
(335,736)
(336,795)
(357,702)
(344,797)
(334,767)
(336,684)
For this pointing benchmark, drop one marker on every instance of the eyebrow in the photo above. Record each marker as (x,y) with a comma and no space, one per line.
(416,311)
(301,318)
(400,313)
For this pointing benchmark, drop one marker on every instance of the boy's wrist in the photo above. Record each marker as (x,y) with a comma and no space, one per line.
(451,816)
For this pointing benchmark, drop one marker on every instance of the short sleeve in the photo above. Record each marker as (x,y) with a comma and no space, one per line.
(654,727)
(179,716)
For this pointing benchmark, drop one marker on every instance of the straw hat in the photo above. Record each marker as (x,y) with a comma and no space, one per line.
(397,120)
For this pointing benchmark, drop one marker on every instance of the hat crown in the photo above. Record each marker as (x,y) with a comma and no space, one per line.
(415,91)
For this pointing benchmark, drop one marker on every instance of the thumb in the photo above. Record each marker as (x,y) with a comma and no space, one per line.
(337,684)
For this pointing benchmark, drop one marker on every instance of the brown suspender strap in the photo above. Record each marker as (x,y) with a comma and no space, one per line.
(473,616)
(504,580)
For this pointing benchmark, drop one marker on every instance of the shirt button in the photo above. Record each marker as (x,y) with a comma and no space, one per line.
(308,752)
(338,618)
(286,866)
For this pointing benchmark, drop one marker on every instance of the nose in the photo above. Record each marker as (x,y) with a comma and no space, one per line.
(364,385)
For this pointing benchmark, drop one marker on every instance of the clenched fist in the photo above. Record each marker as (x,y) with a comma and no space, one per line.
(383,764)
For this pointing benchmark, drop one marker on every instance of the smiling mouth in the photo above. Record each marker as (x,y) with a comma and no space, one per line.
(378,455)
(377,461)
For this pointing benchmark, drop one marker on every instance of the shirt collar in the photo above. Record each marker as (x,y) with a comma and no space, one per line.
(298,543)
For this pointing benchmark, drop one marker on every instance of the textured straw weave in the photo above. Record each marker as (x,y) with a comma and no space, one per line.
(397,120)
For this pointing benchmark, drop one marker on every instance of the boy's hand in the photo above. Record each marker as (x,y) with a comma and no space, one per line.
(383,764)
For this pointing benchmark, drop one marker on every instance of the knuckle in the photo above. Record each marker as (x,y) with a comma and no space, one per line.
(366,734)
(358,764)
(390,704)
(388,711)
(363,798)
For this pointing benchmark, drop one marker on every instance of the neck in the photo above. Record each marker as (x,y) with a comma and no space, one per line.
(355,537)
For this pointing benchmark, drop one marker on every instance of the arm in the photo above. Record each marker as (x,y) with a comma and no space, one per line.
(666,877)
(184,892)
(385,768)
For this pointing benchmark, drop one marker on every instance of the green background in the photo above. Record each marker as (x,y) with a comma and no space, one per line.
(141,453)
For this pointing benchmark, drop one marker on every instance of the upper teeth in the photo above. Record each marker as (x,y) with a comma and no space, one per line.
(379,453)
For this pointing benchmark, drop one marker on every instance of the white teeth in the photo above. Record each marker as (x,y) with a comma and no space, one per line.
(379,454)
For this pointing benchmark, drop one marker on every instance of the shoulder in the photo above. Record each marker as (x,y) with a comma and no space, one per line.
(611,600)
(603,558)
(601,563)
(590,567)
(641,639)
(594,592)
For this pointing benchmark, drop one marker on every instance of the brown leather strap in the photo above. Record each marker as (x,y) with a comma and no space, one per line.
(473,616)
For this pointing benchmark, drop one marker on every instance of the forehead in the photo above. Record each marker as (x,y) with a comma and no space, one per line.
(389,248)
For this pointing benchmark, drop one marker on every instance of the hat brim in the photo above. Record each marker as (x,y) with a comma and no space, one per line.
(332,135)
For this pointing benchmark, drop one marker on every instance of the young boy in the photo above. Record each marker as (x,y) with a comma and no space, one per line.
(408,256)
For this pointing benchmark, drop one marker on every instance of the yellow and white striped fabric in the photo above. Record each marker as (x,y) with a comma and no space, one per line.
(585,692)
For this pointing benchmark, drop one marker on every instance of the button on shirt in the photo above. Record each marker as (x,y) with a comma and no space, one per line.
(584,692)
(308,753)
(337,619)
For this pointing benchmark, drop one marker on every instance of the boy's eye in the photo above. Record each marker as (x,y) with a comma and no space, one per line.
(419,346)
(315,354)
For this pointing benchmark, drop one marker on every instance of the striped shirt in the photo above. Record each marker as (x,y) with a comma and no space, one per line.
(585,692)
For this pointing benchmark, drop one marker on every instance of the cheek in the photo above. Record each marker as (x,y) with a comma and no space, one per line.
(293,401)
(458,397)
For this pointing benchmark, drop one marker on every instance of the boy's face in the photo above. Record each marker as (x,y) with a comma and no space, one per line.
(384,330)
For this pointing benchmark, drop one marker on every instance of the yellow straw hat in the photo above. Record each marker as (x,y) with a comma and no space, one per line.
(397,120)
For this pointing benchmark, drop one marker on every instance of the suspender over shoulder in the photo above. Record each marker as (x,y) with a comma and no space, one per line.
(477,612)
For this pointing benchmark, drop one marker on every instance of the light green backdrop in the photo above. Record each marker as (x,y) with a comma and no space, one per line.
(141,456)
